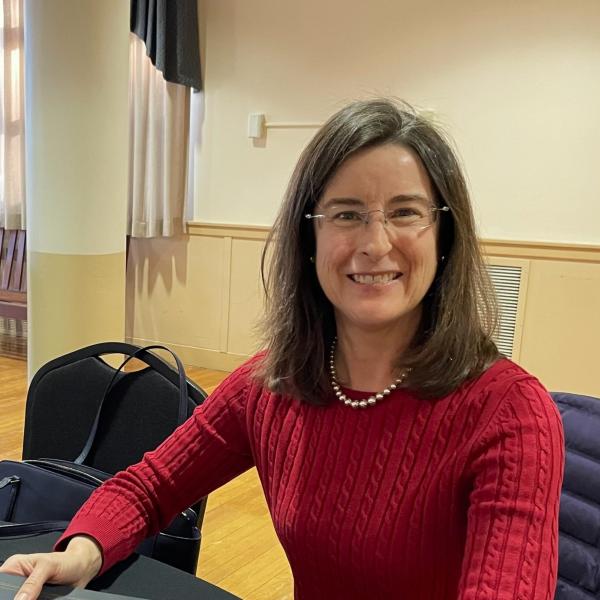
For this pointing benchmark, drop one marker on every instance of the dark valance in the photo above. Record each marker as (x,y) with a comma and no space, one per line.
(170,31)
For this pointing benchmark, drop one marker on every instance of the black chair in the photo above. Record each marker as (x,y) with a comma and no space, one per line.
(579,517)
(139,411)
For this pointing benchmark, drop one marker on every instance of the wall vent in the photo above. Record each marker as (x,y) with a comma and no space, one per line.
(509,281)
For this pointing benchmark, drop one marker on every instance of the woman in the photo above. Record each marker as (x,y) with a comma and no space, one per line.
(401,456)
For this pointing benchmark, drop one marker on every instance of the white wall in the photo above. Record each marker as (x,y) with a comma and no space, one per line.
(516,82)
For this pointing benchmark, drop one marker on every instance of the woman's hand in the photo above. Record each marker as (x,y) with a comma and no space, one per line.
(76,566)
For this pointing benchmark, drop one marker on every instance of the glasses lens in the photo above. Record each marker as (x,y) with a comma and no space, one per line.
(410,215)
(344,217)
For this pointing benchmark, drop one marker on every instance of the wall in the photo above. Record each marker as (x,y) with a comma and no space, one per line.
(516,83)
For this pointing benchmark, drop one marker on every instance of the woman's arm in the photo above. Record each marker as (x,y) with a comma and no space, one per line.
(208,450)
(512,537)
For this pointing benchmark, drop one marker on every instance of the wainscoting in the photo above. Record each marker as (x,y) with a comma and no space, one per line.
(558,324)
(201,294)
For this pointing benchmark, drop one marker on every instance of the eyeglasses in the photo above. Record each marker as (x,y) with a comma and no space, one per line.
(410,217)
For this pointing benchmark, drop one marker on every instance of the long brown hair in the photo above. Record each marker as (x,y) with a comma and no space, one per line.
(453,342)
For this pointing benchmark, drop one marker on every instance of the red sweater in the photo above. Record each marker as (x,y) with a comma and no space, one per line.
(454,498)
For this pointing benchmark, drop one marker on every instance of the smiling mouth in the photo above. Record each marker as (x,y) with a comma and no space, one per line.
(376,278)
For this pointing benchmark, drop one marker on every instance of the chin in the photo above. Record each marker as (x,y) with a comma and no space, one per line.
(373,319)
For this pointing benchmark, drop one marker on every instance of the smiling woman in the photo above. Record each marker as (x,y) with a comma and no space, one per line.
(376,275)
(389,201)
(400,455)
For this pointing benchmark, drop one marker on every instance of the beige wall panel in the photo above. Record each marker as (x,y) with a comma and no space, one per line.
(198,357)
(177,290)
(81,303)
(562,326)
(246,296)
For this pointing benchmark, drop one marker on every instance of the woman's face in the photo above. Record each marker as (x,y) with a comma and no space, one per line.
(376,275)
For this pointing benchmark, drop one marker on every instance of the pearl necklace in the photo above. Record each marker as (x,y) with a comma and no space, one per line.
(371,400)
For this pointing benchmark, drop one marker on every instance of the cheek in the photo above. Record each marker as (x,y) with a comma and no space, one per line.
(331,256)
(329,250)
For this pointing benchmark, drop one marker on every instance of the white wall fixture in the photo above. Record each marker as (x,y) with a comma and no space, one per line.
(256,125)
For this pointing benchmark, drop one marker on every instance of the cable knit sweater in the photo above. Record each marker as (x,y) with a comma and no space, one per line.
(447,499)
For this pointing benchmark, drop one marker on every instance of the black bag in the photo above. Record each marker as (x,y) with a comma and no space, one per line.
(35,491)
(53,489)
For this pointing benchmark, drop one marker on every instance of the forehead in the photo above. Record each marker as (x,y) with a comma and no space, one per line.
(379,174)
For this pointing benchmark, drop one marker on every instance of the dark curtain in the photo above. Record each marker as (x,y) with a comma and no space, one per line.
(169,28)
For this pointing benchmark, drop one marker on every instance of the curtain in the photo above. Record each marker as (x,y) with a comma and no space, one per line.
(12,132)
(164,66)
(170,31)
(158,132)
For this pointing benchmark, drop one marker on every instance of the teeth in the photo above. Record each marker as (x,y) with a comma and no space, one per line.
(370,279)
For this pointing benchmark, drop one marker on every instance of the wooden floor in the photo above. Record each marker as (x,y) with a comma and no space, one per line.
(240,551)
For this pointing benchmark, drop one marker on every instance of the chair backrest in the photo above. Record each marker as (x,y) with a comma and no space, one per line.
(12,260)
(140,411)
(13,280)
(579,519)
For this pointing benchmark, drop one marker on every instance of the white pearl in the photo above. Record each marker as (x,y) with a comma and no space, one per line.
(363,403)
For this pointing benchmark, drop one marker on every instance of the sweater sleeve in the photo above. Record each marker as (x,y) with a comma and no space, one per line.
(511,550)
(208,450)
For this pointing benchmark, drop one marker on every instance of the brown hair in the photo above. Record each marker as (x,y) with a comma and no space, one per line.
(453,342)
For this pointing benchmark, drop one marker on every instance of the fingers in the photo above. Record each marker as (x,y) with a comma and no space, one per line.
(75,567)
(32,587)
(14,565)
(20,564)
(36,567)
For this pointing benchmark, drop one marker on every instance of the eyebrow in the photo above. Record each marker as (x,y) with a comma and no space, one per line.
(343,201)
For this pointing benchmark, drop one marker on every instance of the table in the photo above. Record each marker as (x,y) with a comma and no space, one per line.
(135,577)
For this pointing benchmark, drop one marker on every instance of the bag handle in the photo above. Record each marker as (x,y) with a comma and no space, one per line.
(34,528)
(183,397)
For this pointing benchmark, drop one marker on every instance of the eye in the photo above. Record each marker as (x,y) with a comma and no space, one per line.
(345,215)
(405,212)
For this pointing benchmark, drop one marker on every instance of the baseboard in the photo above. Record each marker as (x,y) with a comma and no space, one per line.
(198,357)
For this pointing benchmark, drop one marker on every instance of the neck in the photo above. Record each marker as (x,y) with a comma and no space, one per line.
(365,357)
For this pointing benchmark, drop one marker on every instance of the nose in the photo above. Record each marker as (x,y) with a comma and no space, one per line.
(374,238)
